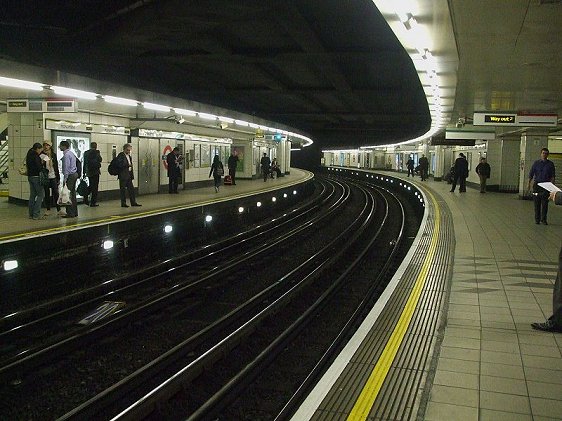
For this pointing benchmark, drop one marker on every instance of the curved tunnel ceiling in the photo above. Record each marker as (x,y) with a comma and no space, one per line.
(332,69)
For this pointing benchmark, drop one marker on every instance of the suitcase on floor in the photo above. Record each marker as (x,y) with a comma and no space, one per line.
(227,180)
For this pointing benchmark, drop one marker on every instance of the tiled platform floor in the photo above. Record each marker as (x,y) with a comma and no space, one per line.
(492,364)
(14,218)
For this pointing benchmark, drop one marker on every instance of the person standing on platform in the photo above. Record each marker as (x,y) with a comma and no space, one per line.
(461,172)
(36,190)
(541,172)
(410,166)
(126,176)
(232,164)
(424,167)
(70,176)
(52,190)
(554,322)
(92,165)
(265,165)
(174,172)
(217,171)
(483,170)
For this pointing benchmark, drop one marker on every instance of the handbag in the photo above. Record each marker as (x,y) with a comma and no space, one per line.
(82,188)
(44,177)
(64,197)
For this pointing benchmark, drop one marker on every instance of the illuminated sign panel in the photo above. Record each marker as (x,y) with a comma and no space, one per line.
(491,118)
(515,119)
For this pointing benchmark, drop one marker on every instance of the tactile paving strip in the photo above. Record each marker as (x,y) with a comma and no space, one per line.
(402,392)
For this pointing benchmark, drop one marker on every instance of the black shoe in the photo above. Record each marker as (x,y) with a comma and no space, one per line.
(547,326)
(93,205)
(545,223)
(451,191)
(124,205)
(86,203)
(538,222)
(135,204)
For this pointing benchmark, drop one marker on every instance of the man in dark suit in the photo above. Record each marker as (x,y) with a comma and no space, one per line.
(461,172)
(92,165)
(174,172)
(126,176)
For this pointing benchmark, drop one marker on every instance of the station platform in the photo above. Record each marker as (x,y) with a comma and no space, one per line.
(451,337)
(15,224)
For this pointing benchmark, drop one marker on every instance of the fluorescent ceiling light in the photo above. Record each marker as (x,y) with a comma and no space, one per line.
(61,90)
(120,101)
(253,125)
(242,123)
(226,119)
(23,84)
(156,107)
(206,116)
(182,111)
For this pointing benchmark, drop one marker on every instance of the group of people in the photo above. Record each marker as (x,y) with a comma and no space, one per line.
(422,168)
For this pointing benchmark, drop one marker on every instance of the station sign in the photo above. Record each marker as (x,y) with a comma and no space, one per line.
(41,105)
(514,119)
(163,134)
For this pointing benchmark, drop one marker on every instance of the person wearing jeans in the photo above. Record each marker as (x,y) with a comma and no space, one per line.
(36,190)
(70,174)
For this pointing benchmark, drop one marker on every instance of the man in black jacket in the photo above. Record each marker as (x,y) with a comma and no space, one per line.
(126,176)
(174,172)
(92,165)
(483,170)
(232,163)
(461,172)
(265,166)
(36,190)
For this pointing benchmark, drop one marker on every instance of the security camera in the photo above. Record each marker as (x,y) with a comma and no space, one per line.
(180,120)
(223,125)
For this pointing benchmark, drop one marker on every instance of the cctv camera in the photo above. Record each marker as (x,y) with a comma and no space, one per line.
(224,125)
(180,120)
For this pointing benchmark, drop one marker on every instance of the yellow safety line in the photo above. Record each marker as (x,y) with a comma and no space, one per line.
(373,386)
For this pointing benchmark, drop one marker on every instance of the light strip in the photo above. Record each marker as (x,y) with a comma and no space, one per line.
(206,116)
(184,112)
(155,107)
(23,84)
(61,90)
(120,101)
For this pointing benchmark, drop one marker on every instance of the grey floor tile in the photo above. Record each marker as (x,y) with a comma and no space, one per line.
(456,379)
(466,343)
(546,407)
(500,357)
(502,370)
(545,390)
(503,385)
(500,346)
(491,415)
(543,375)
(460,366)
(454,395)
(504,402)
(541,350)
(460,354)
(542,362)
(462,332)
(437,411)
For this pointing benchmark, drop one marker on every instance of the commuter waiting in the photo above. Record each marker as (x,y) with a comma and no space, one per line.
(36,190)
(265,166)
(51,190)
(541,171)
(275,170)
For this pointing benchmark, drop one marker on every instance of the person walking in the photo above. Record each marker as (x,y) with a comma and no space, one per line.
(70,176)
(541,171)
(410,166)
(217,171)
(126,176)
(424,167)
(265,165)
(483,170)
(554,322)
(174,172)
(461,172)
(92,165)
(51,190)
(232,164)
(36,190)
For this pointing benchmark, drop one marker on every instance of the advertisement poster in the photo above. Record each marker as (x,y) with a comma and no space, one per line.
(79,143)
(197,156)
(205,156)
